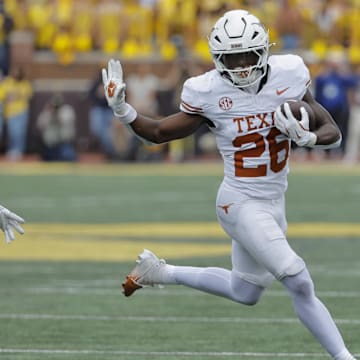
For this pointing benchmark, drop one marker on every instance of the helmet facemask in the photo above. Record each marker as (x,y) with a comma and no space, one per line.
(242,68)
(239,45)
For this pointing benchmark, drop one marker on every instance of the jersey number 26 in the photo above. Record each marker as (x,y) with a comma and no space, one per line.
(260,145)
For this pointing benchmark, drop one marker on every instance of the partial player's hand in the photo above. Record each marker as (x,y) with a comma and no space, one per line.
(115,87)
(296,130)
(8,222)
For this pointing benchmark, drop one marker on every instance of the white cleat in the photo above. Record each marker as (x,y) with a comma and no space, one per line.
(149,271)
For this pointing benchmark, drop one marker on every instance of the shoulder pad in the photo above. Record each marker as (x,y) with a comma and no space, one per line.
(192,97)
(201,83)
(286,67)
(293,64)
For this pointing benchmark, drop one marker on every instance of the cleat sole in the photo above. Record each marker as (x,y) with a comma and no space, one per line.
(130,286)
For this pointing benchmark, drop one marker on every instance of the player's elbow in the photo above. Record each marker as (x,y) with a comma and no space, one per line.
(333,142)
(338,140)
(161,136)
(330,138)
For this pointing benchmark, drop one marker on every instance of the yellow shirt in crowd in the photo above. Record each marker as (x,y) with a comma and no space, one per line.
(15,96)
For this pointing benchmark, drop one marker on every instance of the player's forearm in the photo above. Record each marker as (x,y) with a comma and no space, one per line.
(327,132)
(148,129)
(176,126)
(328,136)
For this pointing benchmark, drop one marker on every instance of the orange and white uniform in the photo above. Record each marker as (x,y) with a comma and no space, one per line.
(250,201)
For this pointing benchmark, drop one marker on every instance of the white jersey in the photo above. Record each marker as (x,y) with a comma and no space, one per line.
(255,153)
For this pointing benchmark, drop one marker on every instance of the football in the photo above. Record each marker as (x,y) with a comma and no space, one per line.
(295,106)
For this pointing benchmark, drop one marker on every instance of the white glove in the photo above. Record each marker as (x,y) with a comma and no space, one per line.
(296,130)
(115,92)
(8,222)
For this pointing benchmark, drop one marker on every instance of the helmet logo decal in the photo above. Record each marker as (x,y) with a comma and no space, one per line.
(225,103)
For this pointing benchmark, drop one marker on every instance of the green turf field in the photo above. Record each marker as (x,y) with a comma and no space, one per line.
(60,292)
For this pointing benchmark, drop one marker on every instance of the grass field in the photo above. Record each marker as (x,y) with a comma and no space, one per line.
(60,292)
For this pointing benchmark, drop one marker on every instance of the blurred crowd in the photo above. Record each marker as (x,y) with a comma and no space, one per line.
(325,32)
(136,28)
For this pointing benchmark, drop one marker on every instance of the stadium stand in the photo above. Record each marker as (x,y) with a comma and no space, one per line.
(61,44)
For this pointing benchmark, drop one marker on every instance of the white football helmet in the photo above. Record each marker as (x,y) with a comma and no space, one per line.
(239,45)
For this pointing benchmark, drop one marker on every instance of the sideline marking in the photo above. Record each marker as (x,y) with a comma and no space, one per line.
(123,250)
(184,229)
(122,242)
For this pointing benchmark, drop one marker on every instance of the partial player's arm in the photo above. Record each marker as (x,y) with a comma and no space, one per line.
(325,135)
(326,130)
(8,222)
(173,127)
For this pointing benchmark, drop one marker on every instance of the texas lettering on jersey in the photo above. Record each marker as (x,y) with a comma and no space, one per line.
(251,146)
(254,122)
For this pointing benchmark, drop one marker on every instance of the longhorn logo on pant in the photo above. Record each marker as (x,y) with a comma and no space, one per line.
(225,207)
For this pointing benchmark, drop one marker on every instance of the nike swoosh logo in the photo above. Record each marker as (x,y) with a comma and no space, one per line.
(279,92)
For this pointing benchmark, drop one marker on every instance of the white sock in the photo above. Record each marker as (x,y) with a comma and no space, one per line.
(215,281)
(310,310)
(314,315)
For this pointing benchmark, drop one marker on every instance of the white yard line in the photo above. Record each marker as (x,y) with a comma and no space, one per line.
(164,353)
(163,292)
(51,317)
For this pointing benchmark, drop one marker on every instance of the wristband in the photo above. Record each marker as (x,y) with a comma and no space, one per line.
(128,116)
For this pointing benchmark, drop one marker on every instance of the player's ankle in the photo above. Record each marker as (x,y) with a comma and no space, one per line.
(344,355)
(168,274)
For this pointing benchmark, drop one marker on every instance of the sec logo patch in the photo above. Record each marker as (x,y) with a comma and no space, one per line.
(225,103)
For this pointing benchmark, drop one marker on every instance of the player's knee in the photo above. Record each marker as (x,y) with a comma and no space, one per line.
(289,268)
(245,292)
(300,285)
(249,301)
(304,287)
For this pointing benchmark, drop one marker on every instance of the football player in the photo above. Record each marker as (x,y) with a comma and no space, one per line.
(240,102)
(8,222)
